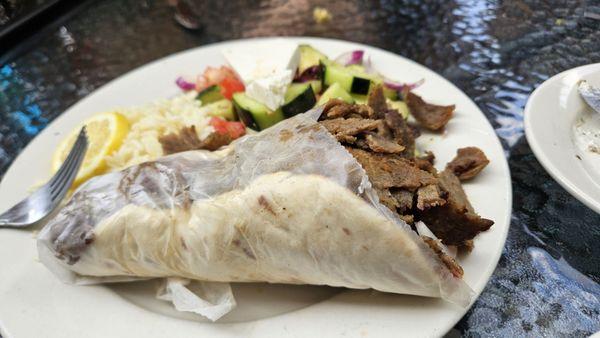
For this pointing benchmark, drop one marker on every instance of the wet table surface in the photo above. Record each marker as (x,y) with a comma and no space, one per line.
(546,283)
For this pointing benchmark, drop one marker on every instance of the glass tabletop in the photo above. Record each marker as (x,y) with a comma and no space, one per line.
(546,283)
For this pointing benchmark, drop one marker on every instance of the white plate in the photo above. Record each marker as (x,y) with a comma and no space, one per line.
(551,111)
(33,303)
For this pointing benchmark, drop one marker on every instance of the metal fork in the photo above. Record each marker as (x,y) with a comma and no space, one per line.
(42,202)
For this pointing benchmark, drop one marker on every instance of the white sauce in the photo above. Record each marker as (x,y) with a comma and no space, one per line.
(586,132)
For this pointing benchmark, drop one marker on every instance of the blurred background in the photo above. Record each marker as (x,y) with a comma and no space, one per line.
(53,53)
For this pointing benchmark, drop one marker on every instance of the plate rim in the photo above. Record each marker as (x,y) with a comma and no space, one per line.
(494,259)
(538,150)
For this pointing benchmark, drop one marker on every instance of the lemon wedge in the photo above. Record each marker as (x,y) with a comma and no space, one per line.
(105,135)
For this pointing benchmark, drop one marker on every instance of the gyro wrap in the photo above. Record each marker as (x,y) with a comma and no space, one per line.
(286,205)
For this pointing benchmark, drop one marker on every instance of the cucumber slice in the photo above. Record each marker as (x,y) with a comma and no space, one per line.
(363,81)
(294,90)
(309,57)
(359,99)
(210,95)
(390,93)
(360,72)
(360,85)
(333,73)
(357,68)
(254,114)
(222,108)
(299,98)
(362,99)
(350,80)
(400,106)
(317,86)
(335,91)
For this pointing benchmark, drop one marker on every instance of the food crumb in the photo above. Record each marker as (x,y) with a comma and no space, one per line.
(285,135)
(321,15)
(578,157)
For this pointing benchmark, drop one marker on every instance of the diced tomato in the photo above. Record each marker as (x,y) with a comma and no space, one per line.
(231,85)
(218,124)
(233,129)
(236,129)
(213,76)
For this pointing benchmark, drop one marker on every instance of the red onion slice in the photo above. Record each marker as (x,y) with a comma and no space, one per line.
(309,74)
(354,57)
(184,85)
(399,87)
(368,65)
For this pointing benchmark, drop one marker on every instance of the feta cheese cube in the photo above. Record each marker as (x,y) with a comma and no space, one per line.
(270,90)
(266,68)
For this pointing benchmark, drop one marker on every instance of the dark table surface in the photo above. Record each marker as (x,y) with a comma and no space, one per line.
(497,52)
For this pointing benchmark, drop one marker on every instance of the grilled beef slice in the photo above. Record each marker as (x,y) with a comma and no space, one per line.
(425,162)
(384,144)
(404,200)
(430,116)
(336,108)
(345,130)
(429,196)
(454,222)
(380,144)
(468,162)
(388,170)
(448,261)
(401,131)
(187,139)
(376,100)
(386,198)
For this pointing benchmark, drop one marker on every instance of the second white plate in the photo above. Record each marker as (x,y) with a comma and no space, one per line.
(550,114)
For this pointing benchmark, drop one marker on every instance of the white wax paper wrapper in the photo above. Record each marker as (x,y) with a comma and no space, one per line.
(209,299)
(287,205)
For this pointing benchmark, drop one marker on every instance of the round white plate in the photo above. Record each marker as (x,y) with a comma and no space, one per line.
(550,114)
(33,303)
